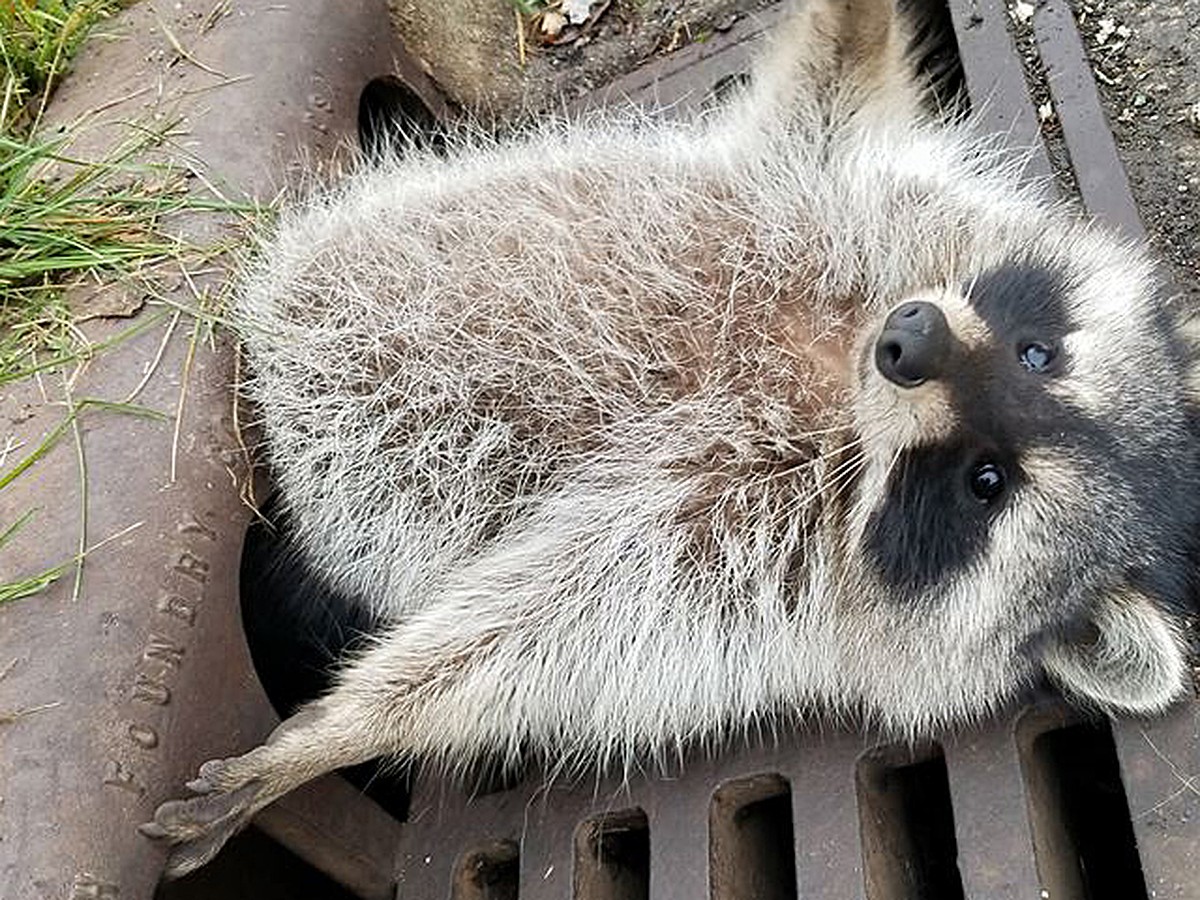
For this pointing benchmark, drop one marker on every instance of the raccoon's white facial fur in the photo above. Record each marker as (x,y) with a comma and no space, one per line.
(640,434)
(1020,484)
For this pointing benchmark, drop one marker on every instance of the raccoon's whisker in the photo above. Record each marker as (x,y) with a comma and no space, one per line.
(818,432)
(843,483)
(842,474)
(970,291)
(887,473)
(843,580)
(815,461)
(856,441)
(840,467)
(849,464)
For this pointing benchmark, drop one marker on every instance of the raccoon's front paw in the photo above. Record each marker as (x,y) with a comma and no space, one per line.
(198,827)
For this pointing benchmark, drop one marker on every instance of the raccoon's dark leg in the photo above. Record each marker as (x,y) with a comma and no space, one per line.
(366,716)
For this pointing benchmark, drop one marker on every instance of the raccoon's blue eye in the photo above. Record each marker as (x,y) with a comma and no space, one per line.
(986,481)
(1036,356)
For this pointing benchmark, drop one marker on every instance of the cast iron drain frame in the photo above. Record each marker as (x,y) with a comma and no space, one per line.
(157,635)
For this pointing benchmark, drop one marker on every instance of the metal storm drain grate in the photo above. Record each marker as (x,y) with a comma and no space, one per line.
(1034,808)
(1046,805)
(1043,806)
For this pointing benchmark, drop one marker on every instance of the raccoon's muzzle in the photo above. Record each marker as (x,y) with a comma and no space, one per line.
(913,345)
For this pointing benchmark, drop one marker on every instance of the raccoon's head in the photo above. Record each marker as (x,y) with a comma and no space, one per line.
(1030,485)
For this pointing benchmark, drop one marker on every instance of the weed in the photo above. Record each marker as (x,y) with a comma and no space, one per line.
(37,40)
(67,224)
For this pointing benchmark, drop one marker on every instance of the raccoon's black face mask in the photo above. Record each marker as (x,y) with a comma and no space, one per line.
(1034,482)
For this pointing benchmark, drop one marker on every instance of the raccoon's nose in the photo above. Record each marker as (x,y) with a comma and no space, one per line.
(913,345)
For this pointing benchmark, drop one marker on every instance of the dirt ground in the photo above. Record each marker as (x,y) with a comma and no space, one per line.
(474,51)
(1146,56)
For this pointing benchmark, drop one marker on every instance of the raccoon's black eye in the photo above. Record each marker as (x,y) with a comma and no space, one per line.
(1036,356)
(986,481)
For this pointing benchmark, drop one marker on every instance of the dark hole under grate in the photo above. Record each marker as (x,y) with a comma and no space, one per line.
(751,840)
(488,873)
(253,865)
(612,857)
(1083,835)
(907,825)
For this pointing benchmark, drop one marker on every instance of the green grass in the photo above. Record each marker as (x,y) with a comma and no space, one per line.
(38,38)
(55,231)
(529,7)
(58,232)
(63,223)
(67,223)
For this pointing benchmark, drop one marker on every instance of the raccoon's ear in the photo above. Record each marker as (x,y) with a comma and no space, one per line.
(1135,661)
(829,61)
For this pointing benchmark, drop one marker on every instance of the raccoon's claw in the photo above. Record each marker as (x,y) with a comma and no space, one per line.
(228,792)
(199,786)
(214,775)
(198,827)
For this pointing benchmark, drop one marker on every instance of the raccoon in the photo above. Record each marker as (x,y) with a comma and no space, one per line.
(803,409)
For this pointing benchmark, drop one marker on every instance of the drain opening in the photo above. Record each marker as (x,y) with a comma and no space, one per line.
(488,873)
(392,116)
(254,867)
(1082,833)
(907,825)
(612,857)
(298,631)
(752,849)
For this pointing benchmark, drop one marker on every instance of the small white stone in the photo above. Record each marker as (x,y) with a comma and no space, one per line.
(553,23)
(577,11)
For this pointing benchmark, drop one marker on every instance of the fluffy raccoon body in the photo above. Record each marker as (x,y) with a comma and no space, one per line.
(627,430)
